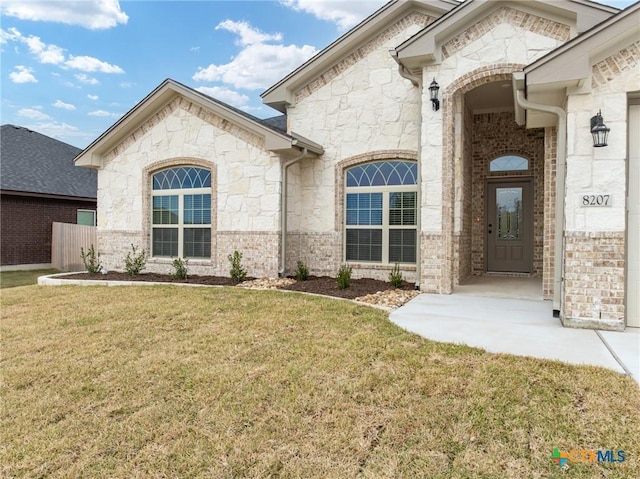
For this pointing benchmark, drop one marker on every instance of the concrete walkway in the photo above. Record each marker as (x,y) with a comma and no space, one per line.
(524,327)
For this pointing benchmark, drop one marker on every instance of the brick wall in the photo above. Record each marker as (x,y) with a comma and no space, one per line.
(594,280)
(26,226)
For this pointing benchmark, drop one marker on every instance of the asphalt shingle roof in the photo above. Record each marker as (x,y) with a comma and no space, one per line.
(34,163)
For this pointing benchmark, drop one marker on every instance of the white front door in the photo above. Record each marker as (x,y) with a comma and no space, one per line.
(633,220)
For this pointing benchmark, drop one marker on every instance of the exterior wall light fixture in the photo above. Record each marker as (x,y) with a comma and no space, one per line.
(599,130)
(433,90)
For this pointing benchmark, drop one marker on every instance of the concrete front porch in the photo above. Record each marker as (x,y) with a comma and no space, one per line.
(520,326)
(500,286)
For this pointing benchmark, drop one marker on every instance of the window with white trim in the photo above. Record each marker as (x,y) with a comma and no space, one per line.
(181,213)
(381,207)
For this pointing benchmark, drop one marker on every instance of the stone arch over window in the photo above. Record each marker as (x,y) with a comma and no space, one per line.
(377,201)
(180,208)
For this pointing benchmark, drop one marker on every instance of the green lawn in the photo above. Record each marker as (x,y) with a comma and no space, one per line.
(10,279)
(167,381)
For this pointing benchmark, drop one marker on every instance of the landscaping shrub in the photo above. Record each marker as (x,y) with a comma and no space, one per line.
(395,277)
(135,261)
(91,260)
(180,267)
(237,272)
(344,276)
(302,272)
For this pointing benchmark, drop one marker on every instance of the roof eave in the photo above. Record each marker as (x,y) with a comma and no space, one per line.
(570,63)
(280,95)
(92,156)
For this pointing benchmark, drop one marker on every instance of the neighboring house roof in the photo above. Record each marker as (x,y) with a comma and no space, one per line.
(32,163)
(426,46)
(281,94)
(275,139)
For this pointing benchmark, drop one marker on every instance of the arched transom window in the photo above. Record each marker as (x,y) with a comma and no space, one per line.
(381,212)
(181,213)
(509,163)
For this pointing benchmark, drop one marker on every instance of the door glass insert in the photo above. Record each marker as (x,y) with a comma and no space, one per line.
(509,212)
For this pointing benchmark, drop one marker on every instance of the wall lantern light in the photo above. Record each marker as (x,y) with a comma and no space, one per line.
(433,90)
(599,131)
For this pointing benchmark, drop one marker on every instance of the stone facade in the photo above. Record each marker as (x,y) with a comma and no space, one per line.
(364,108)
(245,188)
(595,248)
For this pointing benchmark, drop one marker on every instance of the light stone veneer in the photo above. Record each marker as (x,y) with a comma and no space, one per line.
(595,236)
(245,189)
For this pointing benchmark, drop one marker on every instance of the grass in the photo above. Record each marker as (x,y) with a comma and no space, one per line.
(11,279)
(165,381)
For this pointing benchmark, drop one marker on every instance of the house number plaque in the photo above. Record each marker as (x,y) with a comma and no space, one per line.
(596,200)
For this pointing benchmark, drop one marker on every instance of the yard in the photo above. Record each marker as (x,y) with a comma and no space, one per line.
(167,381)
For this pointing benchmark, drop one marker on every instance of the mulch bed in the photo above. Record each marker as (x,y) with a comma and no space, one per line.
(358,287)
(314,284)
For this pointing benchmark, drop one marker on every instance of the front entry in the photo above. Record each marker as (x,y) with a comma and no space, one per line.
(509,226)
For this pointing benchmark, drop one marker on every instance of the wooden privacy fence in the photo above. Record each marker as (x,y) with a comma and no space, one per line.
(66,241)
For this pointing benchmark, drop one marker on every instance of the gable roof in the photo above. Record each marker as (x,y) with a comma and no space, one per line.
(275,138)
(38,164)
(571,61)
(425,46)
(280,95)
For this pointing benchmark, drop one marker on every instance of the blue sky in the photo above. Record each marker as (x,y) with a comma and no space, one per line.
(70,69)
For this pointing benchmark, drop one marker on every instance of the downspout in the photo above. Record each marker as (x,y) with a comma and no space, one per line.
(561,167)
(417,81)
(284,175)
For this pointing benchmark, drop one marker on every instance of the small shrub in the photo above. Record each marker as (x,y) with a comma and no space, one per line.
(237,272)
(135,261)
(91,260)
(180,267)
(395,277)
(344,276)
(302,272)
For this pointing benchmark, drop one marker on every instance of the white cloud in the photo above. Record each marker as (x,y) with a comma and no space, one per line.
(50,53)
(247,34)
(22,74)
(86,79)
(63,105)
(194,49)
(53,54)
(92,97)
(90,64)
(103,113)
(344,14)
(226,95)
(258,65)
(125,84)
(94,14)
(33,114)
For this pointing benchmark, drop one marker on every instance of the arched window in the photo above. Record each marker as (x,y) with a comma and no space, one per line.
(181,213)
(509,163)
(381,212)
